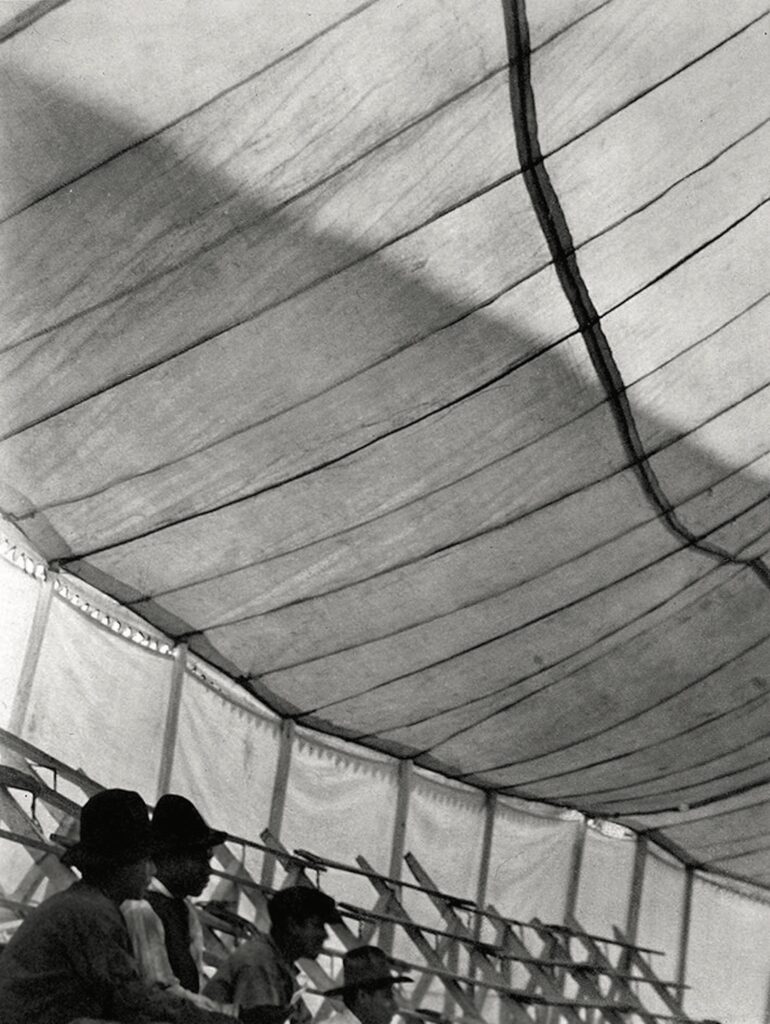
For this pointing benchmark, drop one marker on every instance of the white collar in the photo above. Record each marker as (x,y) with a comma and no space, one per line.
(157,886)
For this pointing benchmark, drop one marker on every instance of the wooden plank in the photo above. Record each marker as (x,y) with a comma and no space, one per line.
(513,944)
(587,988)
(68,824)
(514,1010)
(398,842)
(549,1015)
(661,989)
(385,889)
(296,867)
(235,873)
(172,719)
(452,960)
(402,883)
(490,806)
(634,1006)
(432,1016)
(238,878)
(561,929)
(684,932)
(637,883)
(599,957)
(534,999)
(489,971)
(405,776)
(27,841)
(31,656)
(39,758)
(278,799)
(18,909)
(573,885)
(488,913)
(293,866)
(541,979)
(45,858)
(421,987)
(370,919)
(634,900)
(347,909)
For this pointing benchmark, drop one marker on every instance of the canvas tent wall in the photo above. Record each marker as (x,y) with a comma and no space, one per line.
(407,362)
(98,689)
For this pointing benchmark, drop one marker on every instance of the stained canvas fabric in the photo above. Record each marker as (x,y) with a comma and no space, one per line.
(410,363)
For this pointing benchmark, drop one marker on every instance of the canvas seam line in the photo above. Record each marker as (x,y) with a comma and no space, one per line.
(146,282)
(524,679)
(28,18)
(137,143)
(753,703)
(534,694)
(550,214)
(696,766)
(190,113)
(669,793)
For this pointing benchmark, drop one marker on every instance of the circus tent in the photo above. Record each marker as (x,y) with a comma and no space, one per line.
(395,377)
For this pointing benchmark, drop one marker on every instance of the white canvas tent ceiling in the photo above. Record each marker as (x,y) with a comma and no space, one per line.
(411,361)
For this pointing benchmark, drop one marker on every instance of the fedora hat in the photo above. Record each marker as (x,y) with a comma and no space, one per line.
(298,902)
(177,825)
(114,829)
(366,967)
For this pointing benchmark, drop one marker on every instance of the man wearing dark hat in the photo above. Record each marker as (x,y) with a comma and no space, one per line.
(72,957)
(262,971)
(367,988)
(165,931)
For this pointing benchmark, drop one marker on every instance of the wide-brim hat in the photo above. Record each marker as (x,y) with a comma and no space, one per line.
(177,825)
(299,902)
(366,967)
(114,829)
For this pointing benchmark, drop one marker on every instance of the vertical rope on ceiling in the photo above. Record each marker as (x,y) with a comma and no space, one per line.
(553,223)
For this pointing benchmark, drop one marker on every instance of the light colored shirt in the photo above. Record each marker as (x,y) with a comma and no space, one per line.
(148,940)
(257,974)
(343,1016)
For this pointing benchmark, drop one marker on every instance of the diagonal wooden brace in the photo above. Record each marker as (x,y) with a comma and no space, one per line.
(489,971)
(636,959)
(586,983)
(395,907)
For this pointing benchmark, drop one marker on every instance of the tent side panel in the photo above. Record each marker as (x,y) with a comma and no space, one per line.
(225,758)
(98,701)
(661,913)
(727,965)
(339,805)
(605,882)
(17,611)
(531,861)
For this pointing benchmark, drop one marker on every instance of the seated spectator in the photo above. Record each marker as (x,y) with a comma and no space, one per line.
(166,934)
(71,957)
(367,988)
(262,971)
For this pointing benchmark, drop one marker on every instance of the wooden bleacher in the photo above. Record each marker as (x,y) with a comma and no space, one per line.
(470,964)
